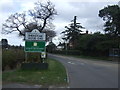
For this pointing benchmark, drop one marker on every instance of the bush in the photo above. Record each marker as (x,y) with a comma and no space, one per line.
(12,57)
(33,57)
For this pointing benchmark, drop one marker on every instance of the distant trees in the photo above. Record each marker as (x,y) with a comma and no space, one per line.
(89,44)
(39,18)
(50,34)
(96,44)
(72,32)
(111,16)
(51,47)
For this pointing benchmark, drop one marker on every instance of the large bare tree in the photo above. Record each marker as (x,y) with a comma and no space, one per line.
(38,18)
(15,22)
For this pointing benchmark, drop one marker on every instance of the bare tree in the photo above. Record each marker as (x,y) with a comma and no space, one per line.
(49,34)
(41,17)
(49,30)
(15,22)
(43,14)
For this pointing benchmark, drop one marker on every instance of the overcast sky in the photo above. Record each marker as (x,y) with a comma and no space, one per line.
(85,10)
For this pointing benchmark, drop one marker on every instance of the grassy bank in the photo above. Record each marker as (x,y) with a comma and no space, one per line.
(55,75)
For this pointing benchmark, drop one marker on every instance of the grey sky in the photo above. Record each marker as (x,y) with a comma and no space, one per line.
(86,12)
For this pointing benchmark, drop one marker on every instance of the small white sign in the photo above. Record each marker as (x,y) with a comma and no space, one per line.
(43,55)
(35,35)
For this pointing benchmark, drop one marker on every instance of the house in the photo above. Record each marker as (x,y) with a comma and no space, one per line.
(60,46)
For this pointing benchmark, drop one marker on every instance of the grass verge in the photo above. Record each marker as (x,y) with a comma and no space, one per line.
(55,75)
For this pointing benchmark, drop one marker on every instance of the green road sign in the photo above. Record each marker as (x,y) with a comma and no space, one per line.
(34,46)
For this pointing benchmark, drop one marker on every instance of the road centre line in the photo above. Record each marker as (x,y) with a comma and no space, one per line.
(71,63)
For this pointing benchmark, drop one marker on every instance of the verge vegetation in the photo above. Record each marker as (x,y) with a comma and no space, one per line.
(54,75)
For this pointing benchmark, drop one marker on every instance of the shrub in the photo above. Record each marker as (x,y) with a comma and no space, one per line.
(33,57)
(12,57)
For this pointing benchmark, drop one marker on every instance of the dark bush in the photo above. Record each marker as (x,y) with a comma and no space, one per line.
(12,57)
(33,57)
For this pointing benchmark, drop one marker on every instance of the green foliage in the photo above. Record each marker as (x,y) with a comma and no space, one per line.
(84,41)
(51,47)
(12,57)
(72,32)
(33,57)
(111,14)
(54,75)
(106,45)
(97,44)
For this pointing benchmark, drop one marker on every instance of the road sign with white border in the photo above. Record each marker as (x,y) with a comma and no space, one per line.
(34,46)
(35,35)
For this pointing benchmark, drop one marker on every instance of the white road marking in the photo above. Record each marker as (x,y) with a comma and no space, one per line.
(82,63)
(71,63)
(74,63)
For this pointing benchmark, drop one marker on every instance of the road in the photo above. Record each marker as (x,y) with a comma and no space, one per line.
(83,73)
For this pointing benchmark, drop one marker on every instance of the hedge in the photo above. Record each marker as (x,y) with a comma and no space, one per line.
(69,52)
(12,57)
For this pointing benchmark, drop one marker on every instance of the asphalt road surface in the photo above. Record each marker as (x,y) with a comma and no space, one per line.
(83,73)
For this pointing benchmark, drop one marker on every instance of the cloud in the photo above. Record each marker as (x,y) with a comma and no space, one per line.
(30,5)
(67,11)
(86,12)
(13,39)
(9,6)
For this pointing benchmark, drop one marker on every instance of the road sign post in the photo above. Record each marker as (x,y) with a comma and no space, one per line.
(35,42)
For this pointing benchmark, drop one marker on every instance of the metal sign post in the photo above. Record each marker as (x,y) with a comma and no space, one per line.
(35,42)
(25,56)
